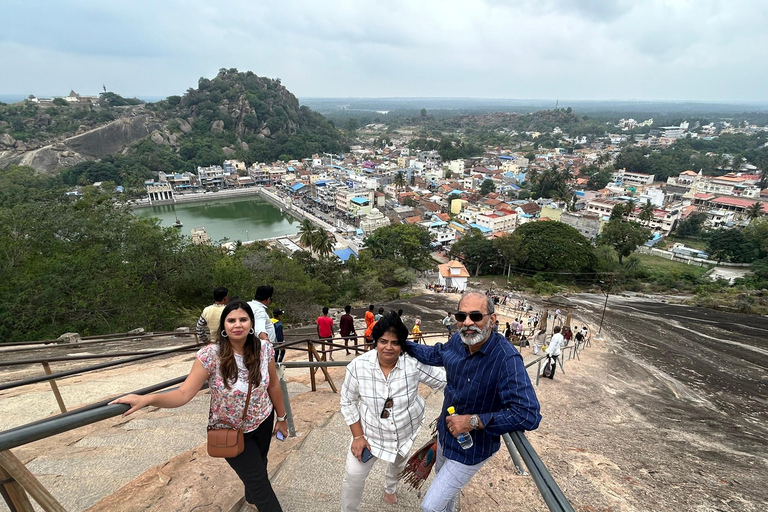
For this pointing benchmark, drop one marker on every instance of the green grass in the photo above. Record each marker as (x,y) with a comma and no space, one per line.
(649,261)
(694,243)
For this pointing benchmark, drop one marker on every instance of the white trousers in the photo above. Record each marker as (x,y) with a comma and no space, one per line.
(450,477)
(355,474)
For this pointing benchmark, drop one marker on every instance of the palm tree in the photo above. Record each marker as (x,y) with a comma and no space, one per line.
(399,181)
(323,243)
(647,213)
(754,210)
(307,234)
(629,208)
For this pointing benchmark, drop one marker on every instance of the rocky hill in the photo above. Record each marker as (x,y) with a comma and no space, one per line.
(234,115)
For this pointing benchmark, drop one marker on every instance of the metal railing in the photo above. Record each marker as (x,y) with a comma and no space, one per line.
(516,442)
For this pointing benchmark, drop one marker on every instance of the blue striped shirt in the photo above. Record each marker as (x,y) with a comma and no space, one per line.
(491,383)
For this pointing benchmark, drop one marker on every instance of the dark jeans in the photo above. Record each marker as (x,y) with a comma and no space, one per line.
(279,355)
(251,467)
(554,366)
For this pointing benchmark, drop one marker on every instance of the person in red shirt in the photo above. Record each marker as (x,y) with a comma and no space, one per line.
(325,331)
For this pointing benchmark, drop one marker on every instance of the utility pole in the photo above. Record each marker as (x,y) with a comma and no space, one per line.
(605,305)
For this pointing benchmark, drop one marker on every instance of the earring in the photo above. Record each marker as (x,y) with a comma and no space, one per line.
(224,334)
(251,331)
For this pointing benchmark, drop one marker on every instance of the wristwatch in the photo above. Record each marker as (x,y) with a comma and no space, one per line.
(281,418)
(474,421)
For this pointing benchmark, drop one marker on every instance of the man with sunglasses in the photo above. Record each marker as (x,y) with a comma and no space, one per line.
(489,389)
(380,402)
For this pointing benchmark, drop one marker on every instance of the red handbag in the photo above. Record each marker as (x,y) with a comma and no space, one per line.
(228,442)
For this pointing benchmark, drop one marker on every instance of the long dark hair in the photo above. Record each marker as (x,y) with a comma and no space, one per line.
(251,350)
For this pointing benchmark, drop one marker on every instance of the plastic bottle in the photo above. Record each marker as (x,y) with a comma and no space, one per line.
(464,439)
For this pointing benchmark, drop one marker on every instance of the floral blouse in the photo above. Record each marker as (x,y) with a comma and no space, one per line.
(227,404)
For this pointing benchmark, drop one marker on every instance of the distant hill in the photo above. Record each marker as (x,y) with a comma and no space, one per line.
(234,115)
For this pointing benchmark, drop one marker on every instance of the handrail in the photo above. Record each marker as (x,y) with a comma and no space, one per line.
(548,488)
(69,373)
(28,433)
(106,337)
(54,345)
(64,422)
(79,357)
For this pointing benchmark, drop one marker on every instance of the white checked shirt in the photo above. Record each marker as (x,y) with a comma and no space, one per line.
(365,391)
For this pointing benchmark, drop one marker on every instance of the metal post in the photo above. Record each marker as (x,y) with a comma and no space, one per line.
(607,293)
(55,388)
(286,400)
(538,373)
(515,456)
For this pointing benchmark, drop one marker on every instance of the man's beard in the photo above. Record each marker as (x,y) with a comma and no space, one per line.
(472,335)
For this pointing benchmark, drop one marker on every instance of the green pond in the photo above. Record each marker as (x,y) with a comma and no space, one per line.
(225,220)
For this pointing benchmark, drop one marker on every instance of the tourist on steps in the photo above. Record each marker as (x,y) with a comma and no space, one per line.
(208,323)
(381,404)
(237,360)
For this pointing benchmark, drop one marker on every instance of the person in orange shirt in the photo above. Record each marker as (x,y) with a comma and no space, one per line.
(370,321)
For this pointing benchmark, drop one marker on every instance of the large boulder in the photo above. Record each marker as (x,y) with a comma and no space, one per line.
(7,141)
(70,338)
(217,126)
(184,126)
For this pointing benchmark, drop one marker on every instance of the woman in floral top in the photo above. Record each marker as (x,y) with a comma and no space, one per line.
(237,359)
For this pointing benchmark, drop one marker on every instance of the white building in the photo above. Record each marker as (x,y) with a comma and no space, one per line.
(632,178)
(453,275)
(497,221)
(159,192)
(373,221)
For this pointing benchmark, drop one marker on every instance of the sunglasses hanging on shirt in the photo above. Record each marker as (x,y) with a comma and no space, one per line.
(387,409)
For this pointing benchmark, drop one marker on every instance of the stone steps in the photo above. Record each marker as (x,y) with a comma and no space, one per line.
(310,477)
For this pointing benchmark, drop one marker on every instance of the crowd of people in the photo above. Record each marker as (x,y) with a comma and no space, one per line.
(480,372)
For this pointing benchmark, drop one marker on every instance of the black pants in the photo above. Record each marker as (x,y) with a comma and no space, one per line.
(251,467)
(554,366)
(279,355)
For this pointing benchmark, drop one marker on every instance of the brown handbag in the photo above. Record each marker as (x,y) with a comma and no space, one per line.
(229,441)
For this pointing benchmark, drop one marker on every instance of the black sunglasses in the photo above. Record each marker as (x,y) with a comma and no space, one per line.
(475,316)
(387,406)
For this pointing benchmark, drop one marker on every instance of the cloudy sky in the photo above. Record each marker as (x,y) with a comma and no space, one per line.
(710,50)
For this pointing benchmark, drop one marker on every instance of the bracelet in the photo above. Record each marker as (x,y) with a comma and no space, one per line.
(281,418)
(355,438)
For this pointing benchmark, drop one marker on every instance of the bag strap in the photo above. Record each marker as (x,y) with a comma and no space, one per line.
(247,401)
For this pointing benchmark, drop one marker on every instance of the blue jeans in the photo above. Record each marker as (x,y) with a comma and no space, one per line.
(450,477)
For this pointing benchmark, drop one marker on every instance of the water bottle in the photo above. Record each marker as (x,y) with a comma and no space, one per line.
(464,439)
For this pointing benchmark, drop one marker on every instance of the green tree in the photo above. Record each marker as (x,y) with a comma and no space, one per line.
(618,211)
(755,210)
(475,251)
(691,227)
(629,208)
(399,181)
(323,243)
(732,245)
(307,234)
(487,187)
(647,213)
(408,243)
(624,237)
(552,246)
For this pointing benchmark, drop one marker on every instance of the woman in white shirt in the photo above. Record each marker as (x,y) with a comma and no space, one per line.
(381,404)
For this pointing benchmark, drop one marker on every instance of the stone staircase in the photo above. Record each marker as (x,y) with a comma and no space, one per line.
(309,479)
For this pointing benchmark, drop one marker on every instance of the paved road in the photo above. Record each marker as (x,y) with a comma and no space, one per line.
(715,365)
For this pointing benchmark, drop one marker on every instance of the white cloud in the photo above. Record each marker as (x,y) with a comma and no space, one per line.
(591,49)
